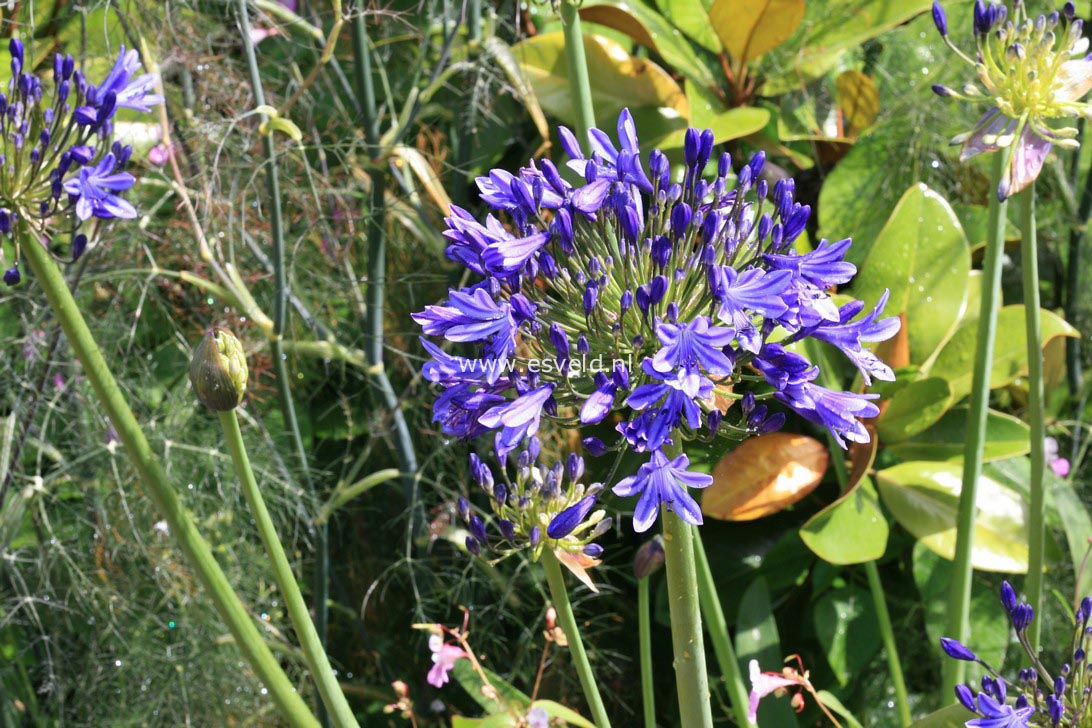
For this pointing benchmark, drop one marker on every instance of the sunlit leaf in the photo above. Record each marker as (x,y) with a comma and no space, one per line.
(750,28)
(913,409)
(691,18)
(921,256)
(924,498)
(708,112)
(955,361)
(620,80)
(858,100)
(560,712)
(1006,437)
(851,530)
(764,475)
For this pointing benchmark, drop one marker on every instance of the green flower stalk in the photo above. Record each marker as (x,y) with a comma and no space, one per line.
(218,373)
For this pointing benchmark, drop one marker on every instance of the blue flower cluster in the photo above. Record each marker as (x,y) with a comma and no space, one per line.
(651,300)
(58,159)
(540,507)
(1040,700)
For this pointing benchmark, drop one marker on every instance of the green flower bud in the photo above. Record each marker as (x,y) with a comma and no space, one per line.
(218,370)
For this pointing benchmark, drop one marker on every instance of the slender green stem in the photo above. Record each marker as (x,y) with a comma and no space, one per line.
(687,640)
(883,617)
(717,627)
(1073,362)
(644,631)
(1029,260)
(158,487)
(579,83)
(875,585)
(960,598)
(560,597)
(313,652)
(321,583)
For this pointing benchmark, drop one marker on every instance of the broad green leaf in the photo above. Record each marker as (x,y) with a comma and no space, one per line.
(497,720)
(989,623)
(620,80)
(1006,437)
(953,715)
(924,498)
(838,26)
(858,100)
(914,409)
(691,17)
(559,711)
(472,683)
(757,639)
(845,623)
(652,30)
(852,530)
(922,257)
(956,360)
(748,29)
(708,112)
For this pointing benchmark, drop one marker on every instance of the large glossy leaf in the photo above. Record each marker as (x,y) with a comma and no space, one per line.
(764,475)
(914,409)
(845,623)
(749,29)
(989,622)
(708,112)
(836,27)
(852,530)
(949,717)
(620,80)
(956,360)
(653,31)
(1006,437)
(757,638)
(924,498)
(692,18)
(922,257)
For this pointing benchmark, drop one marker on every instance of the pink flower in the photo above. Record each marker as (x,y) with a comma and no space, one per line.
(764,683)
(444,657)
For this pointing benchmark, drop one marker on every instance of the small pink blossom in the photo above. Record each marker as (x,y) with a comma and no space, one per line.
(764,683)
(444,657)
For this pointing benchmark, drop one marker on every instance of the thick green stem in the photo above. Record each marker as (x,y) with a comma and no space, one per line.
(560,597)
(158,487)
(1029,260)
(313,652)
(717,627)
(960,598)
(687,640)
(883,617)
(644,631)
(579,83)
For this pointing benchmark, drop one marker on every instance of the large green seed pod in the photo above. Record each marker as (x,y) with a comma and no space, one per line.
(218,370)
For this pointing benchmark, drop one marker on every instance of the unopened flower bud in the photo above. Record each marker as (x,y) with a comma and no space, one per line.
(649,558)
(218,370)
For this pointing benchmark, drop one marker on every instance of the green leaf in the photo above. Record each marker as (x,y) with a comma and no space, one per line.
(690,17)
(956,360)
(652,30)
(845,624)
(914,409)
(1006,437)
(708,112)
(989,623)
(472,683)
(922,257)
(851,530)
(620,81)
(836,27)
(757,639)
(559,711)
(924,498)
(749,29)
(953,715)
(835,706)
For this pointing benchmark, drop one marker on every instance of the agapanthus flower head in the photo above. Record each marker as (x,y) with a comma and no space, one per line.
(1029,73)
(58,158)
(1037,697)
(536,507)
(632,298)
